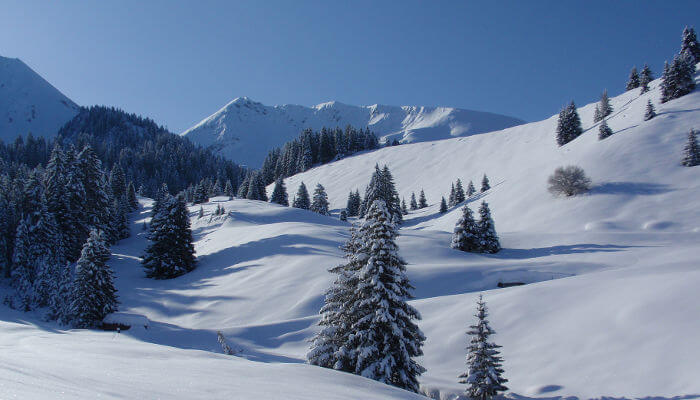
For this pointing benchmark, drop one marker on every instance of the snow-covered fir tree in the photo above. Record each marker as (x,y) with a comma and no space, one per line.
(23,269)
(404,209)
(646,77)
(131,197)
(353,204)
(484,375)
(568,125)
(319,204)
(228,189)
(650,111)
(385,339)
(485,184)
(170,252)
(604,130)
(201,194)
(279,193)
(691,151)
(93,294)
(381,186)
(633,80)
(459,192)
(443,205)
(422,202)
(301,200)
(466,233)
(414,203)
(597,114)
(256,188)
(689,44)
(488,239)
(451,200)
(678,78)
(604,108)
(470,189)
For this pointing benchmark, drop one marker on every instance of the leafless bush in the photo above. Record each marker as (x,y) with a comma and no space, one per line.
(568,181)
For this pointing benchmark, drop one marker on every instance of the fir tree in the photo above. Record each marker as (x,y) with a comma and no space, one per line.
(320,201)
(256,188)
(689,45)
(414,204)
(650,112)
(466,233)
(568,125)
(633,81)
(605,107)
(459,192)
(604,130)
(343,215)
(484,375)
(24,270)
(131,197)
(228,189)
(488,239)
(452,196)
(443,205)
(646,78)
(279,193)
(302,198)
(668,83)
(404,209)
(170,252)
(117,182)
(470,189)
(485,185)
(93,293)
(691,151)
(422,202)
(384,339)
(96,200)
(597,114)
(353,204)
(381,186)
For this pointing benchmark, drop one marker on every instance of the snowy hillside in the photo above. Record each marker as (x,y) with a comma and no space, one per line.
(245,130)
(609,309)
(28,103)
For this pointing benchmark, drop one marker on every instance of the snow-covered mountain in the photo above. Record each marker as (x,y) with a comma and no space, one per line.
(28,103)
(245,130)
(609,308)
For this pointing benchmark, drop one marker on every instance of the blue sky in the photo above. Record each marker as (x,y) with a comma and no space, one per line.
(179,61)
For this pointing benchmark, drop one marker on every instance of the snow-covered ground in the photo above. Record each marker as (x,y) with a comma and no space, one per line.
(611,307)
(28,103)
(245,130)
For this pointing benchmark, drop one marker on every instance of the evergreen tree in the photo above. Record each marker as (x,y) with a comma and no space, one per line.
(466,233)
(488,239)
(597,114)
(343,215)
(470,189)
(23,271)
(384,339)
(605,107)
(170,252)
(201,194)
(404,209)
(452,201)
(689,45)
(443,205)
(422,202)
(96,200)
(117,182)
(485,185)
(691,151)
(131,197)
(414,204)
(243,188)
(650,112)
(381,186)
(646,77)
(279,193)
(684,70)
(459,192)
(60,301)
(256,188)
(569,125)
(93,293)
(668,83)
(604,130)
(353,204)
(320,201)
(484,375)
(633,81)
(228,189)
(302,198)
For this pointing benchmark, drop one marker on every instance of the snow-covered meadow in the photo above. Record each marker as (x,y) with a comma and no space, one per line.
(611,307)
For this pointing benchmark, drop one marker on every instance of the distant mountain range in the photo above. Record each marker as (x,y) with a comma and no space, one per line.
(245,130)
(28,103)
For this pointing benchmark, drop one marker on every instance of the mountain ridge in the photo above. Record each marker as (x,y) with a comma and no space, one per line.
(230,129)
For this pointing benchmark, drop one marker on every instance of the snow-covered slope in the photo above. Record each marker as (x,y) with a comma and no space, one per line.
(28,103)
(610,308)
(245,130)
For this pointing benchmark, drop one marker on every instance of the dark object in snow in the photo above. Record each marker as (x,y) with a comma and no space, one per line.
(509,284)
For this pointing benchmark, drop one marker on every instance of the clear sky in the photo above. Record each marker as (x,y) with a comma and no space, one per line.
(179,61)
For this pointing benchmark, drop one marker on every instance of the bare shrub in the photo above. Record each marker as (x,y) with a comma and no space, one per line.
(568,181)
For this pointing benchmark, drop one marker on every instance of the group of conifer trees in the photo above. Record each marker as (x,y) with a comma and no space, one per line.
(476,236)
(458,194)
(315,148)
(677,80)
(57,221)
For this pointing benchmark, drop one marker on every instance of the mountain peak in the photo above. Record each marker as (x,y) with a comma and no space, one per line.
(245,130)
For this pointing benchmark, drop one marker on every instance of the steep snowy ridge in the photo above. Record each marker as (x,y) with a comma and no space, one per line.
(28,103)
(245,130)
